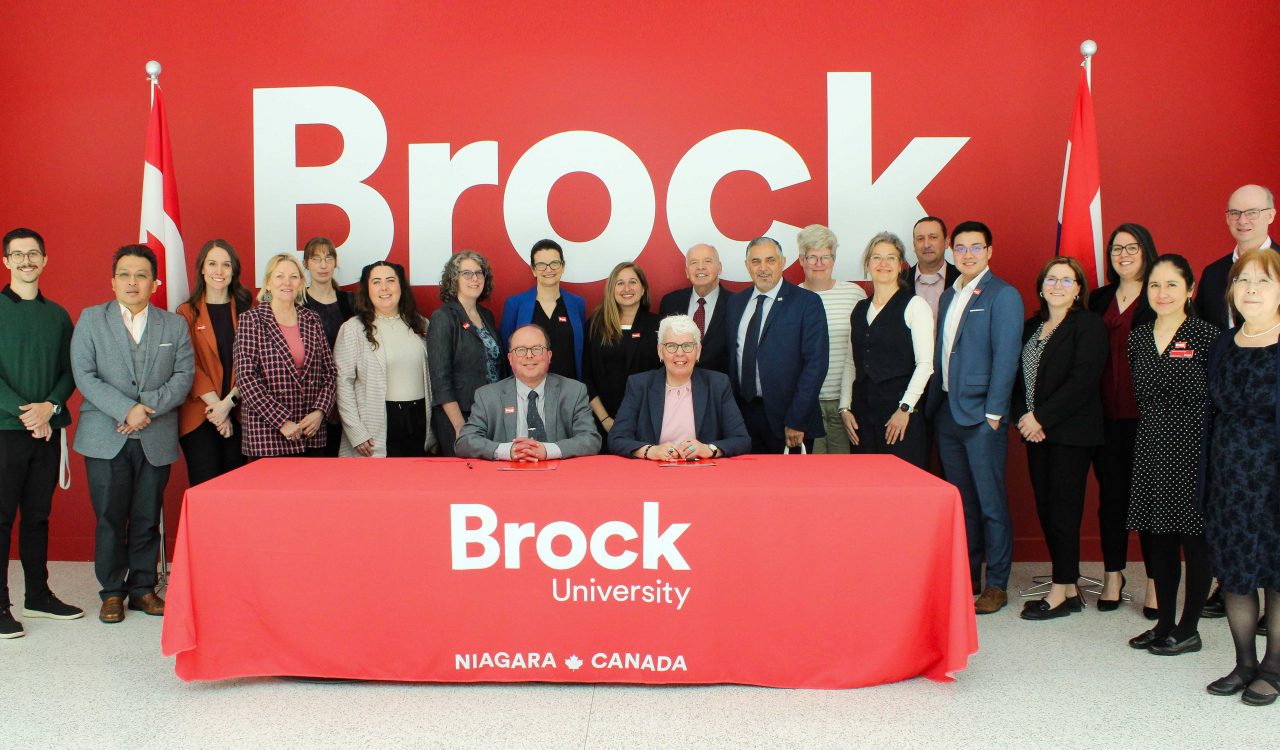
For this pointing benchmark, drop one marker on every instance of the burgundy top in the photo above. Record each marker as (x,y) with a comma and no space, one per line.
(1117,381)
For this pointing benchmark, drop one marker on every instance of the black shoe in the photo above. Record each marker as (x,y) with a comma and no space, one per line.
(1233,683)
(1151,613)
(1075,603)
(9,627)
(1040,610)
(52,608)
(1262,699)
(1171,646)
(1141,642)
(1111,605)
(1214,607)
(1262,625)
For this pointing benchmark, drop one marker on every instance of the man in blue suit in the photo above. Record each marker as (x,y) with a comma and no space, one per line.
(975,365)
(777,354)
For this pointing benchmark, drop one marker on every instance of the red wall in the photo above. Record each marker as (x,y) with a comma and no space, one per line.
(1185,115)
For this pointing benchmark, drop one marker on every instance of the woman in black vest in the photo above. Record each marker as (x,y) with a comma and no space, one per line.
(892,337)
(1064,349)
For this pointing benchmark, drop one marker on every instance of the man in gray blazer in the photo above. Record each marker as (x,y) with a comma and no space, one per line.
(532,416)
(133,363)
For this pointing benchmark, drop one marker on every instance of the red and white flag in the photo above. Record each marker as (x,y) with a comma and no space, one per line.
(1080,211)
(161,227)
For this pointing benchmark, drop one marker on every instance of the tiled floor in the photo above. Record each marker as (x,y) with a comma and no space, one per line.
(1069,683)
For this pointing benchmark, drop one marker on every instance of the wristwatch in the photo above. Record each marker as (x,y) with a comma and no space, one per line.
(902,407)
(57,408)
(714,450)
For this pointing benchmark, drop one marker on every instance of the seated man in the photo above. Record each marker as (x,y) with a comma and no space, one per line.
(532,416)
(679,411)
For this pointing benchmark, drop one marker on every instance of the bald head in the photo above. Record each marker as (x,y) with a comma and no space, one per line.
(702,268)
(1250,211)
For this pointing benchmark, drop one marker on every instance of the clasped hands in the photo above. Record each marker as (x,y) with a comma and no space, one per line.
(679,450)
(218,414)
(136,420)
(308,426)
(528,450)
(1030,428)
(35,418)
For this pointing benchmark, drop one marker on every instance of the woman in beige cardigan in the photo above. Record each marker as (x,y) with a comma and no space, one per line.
(384,388)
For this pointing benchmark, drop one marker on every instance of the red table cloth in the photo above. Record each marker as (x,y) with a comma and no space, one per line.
(800,571)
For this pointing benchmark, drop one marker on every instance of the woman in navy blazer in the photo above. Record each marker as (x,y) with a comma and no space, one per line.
(561,313)
(1059,406)
(645,428)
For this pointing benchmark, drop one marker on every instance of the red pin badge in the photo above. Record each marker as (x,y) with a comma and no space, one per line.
(508,410)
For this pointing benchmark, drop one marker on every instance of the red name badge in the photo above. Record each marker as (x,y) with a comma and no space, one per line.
(1182,353)
(635,335)
(562,319)
(508,410)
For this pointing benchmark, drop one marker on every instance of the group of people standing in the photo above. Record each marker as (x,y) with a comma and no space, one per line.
(1177,418)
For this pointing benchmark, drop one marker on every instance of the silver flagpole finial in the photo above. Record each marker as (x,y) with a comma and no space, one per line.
(1088,48)
(153,71)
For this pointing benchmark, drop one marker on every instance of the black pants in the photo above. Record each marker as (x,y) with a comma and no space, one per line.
(763,440)
(1164,561)
(209,454)
(1113,467)
(333,436)
(406,429)
(1058,474)
(443,428)
(28,475)
(874,411)
(127,493)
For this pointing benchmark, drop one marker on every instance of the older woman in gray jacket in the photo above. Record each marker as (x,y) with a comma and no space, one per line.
(384,387)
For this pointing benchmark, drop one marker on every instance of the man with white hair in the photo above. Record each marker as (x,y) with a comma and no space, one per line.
(703,303)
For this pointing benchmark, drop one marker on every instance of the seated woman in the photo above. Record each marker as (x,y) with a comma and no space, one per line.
(384,386)
(679,411)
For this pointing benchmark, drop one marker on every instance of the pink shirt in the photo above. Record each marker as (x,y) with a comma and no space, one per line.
(677,414)
(930,287)
(293,337)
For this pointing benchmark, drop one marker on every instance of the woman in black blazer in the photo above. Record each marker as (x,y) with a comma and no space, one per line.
(464,350)
(1064,351)
(1123,305)
(622,340)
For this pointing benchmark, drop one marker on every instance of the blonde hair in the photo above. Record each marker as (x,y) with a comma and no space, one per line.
(265,296)
(816,237)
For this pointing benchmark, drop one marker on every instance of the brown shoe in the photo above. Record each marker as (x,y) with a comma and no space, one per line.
(112,610)
(148,603)
(992,600)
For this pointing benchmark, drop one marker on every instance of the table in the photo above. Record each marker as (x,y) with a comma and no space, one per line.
(783,571)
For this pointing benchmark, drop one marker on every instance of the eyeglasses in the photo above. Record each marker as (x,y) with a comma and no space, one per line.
(554,265)
(468,274)
(140,276)
(1133,249)
(529,351)
(964,250)
(17,256)
(670,347)
(1251,214)
(819,258)
(323,260)
(1065,283)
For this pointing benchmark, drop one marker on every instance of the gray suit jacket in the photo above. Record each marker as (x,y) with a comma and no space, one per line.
(565,412)
(102,364)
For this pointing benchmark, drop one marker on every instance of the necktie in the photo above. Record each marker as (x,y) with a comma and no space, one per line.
(700,316)
(749,351)
(537,430)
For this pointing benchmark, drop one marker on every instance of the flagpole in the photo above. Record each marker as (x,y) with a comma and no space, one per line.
(153,73)
(1088,48)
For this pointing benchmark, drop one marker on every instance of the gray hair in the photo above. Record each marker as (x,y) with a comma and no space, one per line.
(885,238)
(816,237)
(678,325)
(449,276)
(762,240)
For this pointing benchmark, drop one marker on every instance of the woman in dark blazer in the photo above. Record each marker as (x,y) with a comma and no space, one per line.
(209,436)
(622,340)
(679,411)
(1122,303)
(463,348)
(284,368)
(1063,354)
(559,312)
(333,305)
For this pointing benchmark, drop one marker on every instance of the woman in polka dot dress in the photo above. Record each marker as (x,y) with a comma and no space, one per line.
(1168,359)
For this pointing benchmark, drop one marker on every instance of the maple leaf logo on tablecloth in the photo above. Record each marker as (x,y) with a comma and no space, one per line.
(573,663)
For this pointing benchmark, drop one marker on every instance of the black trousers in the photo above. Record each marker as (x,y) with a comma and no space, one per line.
(1058,475)
(443,428)
(872,409)
(209,454)
(28,475)
(406,428)
(127,493)
(333,436)
(1164,561)
(763,440)
(1113,467)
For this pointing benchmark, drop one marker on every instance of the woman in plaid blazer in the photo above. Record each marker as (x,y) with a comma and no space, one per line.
(283,367)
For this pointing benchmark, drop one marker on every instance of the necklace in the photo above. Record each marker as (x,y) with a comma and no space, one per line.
(1259,333)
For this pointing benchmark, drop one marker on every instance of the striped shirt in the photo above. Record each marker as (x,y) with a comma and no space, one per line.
(838,302)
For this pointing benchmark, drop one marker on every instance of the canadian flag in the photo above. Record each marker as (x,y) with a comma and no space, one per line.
(1080,210)
(161,226)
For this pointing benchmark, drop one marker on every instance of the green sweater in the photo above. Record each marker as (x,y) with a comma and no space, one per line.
(35,358)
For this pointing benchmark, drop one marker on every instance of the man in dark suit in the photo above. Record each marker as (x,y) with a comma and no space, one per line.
(1250,211)
(533,415)
(134,365)
(778,357)
(975,366)
(704,302)
(932,274)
